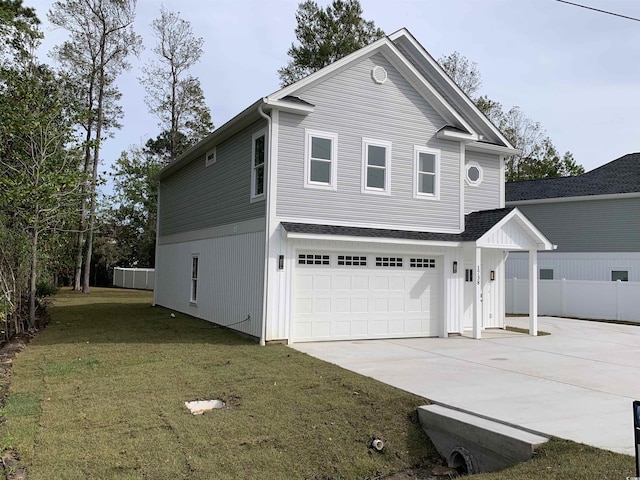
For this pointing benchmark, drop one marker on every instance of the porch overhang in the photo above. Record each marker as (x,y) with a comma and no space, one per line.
(514,232)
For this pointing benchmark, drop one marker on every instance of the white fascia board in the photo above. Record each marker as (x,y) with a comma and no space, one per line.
(382,240)
(457,136)
(404,33)
(423,87)
(328,70)
(289,107)
(612,196)
(231,127)
(539,238)
(491,148)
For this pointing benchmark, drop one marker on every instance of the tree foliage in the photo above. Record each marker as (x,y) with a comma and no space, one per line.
(538,157)
(39,174)
(173,95)
(101,40)
(326,35)
(19,30)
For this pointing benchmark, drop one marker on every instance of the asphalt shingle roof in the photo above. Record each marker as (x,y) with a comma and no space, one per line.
(619,176)
(477,224)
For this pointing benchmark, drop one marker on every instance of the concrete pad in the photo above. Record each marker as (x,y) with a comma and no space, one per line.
(577,383)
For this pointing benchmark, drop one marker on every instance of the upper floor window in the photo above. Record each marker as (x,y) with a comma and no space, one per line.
(320,159)
(426,173)
(258,155)
(376,166)
(474,174)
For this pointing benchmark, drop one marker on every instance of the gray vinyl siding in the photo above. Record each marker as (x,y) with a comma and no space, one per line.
(352,106)
(589,226)
(485,196)
(197,197)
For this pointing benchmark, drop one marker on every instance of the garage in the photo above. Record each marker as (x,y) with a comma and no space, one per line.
(347,295)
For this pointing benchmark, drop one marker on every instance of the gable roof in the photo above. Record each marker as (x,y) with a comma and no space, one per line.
(619,176)
(421,70)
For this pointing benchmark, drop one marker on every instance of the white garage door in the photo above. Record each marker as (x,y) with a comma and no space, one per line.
(359,296)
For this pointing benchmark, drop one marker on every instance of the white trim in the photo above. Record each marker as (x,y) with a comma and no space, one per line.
(463,159)
(417,150)
(193,292)
(468,181)
(404,33)
(445,134)
(289,107)
(490,147)
(379,79)
(260,133)
(210,157)
(503,179)
(541,241)
(156,263)
(612,196)
(333,174)
(366,142)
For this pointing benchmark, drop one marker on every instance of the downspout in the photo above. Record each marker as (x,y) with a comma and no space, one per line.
(267,215)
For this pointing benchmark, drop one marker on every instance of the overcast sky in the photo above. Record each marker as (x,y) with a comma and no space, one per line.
(575,71)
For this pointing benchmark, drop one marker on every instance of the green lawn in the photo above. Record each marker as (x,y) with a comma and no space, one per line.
(100,394)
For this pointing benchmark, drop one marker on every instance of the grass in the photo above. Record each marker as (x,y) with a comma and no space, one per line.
(100,394)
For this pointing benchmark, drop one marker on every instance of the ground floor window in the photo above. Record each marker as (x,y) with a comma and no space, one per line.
(546,274)
(194,279)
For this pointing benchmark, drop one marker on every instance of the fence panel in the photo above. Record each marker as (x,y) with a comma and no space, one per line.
(136,278)
(577,298)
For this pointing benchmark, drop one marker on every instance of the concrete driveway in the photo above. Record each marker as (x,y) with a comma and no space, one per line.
(577,383)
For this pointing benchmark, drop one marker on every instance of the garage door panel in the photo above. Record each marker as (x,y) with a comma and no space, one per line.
(365,300)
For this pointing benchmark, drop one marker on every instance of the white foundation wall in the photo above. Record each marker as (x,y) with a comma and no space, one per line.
(230,280)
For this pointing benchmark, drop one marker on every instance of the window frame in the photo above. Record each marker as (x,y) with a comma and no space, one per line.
(210,157)
(468,181)
(193,288)
(333,175)
(364,188)
(417,150)
(258,197)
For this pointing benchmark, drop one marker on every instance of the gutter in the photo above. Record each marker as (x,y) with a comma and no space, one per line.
(267,216)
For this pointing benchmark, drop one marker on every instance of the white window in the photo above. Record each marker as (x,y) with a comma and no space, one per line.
(352,260)
(210,157)
(622,275)
(376,166)
(422,263)
(258,155)
(426,173)
(468,275)
(546,274)
(313,259)
(474,174)
(388,261)
(320,159)
(193,298)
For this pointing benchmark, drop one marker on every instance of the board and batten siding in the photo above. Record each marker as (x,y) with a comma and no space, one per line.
(589,226)
(230,280)
(486,195)
(351,105)
(197,197)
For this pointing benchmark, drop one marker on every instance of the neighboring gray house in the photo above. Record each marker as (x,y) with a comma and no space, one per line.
(594,219)
(364,201)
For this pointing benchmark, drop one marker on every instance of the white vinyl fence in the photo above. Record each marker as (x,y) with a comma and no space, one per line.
(577,298)
(138,278)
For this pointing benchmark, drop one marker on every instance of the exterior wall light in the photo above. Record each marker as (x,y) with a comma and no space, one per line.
(281,262)
(455,267)
(492,275)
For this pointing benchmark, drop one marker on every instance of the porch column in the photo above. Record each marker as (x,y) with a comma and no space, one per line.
(477,301)
(533,292)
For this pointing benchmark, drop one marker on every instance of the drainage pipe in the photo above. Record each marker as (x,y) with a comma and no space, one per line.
(267,225)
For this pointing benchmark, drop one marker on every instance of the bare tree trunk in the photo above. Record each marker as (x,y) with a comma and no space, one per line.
(33,279)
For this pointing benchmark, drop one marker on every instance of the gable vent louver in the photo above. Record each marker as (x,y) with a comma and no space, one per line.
(379,75)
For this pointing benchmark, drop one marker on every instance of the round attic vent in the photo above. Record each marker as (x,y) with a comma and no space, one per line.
(379,75)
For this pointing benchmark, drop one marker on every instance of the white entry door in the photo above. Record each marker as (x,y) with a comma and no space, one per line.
(361,296)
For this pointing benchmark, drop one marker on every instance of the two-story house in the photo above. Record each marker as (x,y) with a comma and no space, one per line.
(364,201)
